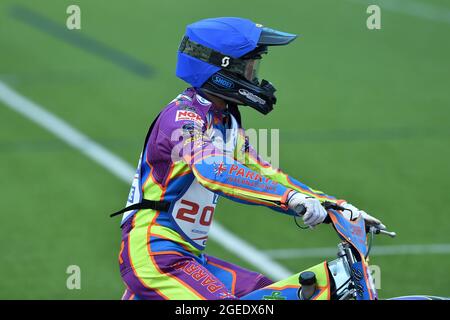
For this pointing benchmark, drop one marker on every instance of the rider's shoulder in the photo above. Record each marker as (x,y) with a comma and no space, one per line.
(187,107)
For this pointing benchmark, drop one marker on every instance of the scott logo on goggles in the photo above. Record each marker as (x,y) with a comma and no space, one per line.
(225,62)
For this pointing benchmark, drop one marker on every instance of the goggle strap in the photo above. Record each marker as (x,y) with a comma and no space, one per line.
(211,56)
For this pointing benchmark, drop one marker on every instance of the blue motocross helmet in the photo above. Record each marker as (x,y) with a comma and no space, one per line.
(221,56)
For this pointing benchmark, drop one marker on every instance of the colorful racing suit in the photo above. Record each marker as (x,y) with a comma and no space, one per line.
(192,156)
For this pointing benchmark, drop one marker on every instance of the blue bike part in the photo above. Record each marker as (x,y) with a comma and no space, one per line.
(352,231)
(360,282)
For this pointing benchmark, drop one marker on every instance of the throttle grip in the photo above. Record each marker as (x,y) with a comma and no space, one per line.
(300,209)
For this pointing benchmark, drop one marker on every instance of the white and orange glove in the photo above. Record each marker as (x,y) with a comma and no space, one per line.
(353,212)
(314,214)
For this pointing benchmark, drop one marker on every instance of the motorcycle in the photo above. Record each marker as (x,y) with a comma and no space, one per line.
(346,278)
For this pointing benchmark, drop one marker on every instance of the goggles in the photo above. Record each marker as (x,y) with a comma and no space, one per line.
(246,66)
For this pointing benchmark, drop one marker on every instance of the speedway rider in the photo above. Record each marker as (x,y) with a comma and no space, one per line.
(195,152)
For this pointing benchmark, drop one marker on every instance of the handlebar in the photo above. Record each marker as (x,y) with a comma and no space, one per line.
(326,204)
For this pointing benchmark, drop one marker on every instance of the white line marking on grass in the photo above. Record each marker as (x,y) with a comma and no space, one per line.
(125,172)
(411,249)
(65,132)
(413,8)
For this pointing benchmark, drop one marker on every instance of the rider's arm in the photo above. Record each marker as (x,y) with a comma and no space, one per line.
(224,175)
(248,155)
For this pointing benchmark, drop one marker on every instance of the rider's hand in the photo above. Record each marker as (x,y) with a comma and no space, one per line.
(315,213)
(355,213)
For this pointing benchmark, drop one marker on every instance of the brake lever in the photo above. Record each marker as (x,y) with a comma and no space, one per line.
(388,233)
(333,206)
(381,231)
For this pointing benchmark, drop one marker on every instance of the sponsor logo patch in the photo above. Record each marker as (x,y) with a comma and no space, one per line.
(188,115)
(252,97)
(186,107)
(200,275)
(276,295)
(202,100)
(219,169)
(245,177)
(222,82)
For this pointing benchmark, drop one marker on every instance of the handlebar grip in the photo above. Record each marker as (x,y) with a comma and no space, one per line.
(300,209)
(330,205)
(327,220)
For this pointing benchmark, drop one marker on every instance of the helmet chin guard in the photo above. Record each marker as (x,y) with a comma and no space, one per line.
(229,87)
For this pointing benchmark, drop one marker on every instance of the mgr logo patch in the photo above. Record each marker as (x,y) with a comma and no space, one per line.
(188,115)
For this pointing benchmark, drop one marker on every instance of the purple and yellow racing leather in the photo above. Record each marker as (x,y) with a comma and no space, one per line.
(192,156)
(250,157)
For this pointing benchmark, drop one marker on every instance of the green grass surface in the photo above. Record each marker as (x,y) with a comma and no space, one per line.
(364,115)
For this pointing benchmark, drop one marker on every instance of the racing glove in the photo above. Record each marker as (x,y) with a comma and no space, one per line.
(314,214)
(352,212)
